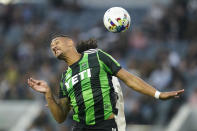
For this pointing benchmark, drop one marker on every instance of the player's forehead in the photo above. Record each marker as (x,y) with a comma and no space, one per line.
(55,40)
(61,39)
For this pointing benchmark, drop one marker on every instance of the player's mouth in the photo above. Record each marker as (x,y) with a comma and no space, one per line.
(57,52)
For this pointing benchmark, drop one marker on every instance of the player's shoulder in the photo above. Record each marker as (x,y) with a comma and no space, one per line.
(102,53)
(66,72)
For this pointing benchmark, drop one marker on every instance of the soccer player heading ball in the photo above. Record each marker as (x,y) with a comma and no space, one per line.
(87,86)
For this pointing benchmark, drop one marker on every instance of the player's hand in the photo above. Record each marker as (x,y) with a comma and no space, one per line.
(170,95)
(38,85)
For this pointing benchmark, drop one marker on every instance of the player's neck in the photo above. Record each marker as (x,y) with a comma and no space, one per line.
(72,57)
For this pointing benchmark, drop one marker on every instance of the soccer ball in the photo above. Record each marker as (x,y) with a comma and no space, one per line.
(116,19)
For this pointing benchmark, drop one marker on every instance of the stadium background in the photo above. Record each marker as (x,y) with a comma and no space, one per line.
(160,47)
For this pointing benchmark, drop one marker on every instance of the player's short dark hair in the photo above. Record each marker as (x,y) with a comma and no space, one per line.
(86,45)
(60,35)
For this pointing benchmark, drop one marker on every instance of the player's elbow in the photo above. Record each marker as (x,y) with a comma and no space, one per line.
(60,120)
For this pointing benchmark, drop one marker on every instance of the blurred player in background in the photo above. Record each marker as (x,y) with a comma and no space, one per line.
(87,87)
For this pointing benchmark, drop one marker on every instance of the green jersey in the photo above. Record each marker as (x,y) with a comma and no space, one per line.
(88,85)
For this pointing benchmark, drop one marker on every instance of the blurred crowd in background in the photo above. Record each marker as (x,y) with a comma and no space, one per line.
(160,47)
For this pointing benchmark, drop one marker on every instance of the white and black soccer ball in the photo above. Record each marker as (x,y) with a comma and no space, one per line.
(116,19)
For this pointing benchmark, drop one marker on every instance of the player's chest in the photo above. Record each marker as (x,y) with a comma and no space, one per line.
(81,76)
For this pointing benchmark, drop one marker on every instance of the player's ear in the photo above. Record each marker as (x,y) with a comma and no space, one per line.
(70,42)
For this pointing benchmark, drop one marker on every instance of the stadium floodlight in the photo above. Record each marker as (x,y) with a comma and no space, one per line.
(5,1)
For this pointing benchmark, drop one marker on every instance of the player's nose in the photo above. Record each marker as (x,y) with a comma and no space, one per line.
(54,49)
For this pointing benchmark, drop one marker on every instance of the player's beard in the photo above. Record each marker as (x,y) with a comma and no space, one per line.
(61,56)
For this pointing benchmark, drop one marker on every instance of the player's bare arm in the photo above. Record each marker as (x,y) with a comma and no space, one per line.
(141,86)
(60,110)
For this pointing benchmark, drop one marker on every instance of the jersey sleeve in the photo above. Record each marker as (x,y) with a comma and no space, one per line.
(62,90)
(110,64)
